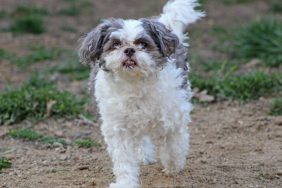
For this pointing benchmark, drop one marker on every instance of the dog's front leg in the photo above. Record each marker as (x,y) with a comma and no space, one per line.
(174,149)
(125,162)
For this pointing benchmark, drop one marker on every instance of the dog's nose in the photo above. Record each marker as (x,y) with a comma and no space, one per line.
(129,52)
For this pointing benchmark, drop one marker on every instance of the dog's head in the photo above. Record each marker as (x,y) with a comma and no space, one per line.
(128,47)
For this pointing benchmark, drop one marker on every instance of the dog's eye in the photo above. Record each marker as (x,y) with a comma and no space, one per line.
(116,44)
(142,43)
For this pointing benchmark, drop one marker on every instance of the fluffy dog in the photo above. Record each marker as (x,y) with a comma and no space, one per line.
(139,77)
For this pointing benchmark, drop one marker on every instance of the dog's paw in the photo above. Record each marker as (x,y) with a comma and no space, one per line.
(124,184)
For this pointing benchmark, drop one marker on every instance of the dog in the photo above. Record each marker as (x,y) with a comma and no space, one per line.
(140,82)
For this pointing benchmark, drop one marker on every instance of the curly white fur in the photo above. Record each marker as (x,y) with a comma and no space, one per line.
(155,107)
(178,14)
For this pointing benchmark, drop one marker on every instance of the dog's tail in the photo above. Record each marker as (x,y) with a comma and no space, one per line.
(178,14)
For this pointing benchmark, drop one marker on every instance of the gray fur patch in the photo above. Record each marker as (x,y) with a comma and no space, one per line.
(165,40)
(92,44)
(180,57)
(169,46)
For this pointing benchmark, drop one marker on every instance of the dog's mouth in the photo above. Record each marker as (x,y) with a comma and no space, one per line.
(129,64)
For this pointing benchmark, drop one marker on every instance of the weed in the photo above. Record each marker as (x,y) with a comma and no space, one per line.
(28,24)
(75,8)
(52,140)
(38,53)
(86,143)
(25,134)
(276,108)
(266,175)
(71,67)
(4,163)
(276,7)
(261,39)
(4,54)
(239,87)
(72,10)
(37,99)
(220,67)
(235,1)
(68,28)
(3,14)
(28,19)
(23,10)
(31,135)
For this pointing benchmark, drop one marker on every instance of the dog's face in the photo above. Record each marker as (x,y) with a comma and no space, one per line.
(134,48)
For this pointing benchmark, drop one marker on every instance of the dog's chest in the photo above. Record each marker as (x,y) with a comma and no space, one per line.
(154,104)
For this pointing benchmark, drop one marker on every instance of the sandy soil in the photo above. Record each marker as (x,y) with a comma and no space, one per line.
(232,144)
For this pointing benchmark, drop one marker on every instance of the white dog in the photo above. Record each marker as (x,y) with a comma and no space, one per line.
(140,81)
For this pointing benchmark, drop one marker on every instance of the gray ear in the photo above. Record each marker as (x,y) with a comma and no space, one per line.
(165,40)
(92,44)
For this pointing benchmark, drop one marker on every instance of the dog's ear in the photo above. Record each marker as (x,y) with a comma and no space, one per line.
(165,40)
(92,44)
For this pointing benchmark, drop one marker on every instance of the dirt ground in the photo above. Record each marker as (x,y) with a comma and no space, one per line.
(232,144)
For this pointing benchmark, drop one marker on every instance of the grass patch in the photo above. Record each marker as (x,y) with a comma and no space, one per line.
(37,99)
(276,108)
(75,7)
(86,143)
(4,54)
(71,67)
(4,163)
(68,28)
(23,10)
(31,135)
(261,39)
(25,134)
(219,67)
(28,19)
(276,7)
(3,14)
(235,1)
(28,24)
(38,53)
(239,87)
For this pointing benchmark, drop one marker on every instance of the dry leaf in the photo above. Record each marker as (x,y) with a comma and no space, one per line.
(50,105)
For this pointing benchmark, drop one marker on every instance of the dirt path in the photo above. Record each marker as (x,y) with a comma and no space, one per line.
(232,145)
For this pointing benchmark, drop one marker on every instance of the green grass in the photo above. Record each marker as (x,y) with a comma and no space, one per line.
(235,1)
(86,143)
(28,24)
(4,163)
(276,7)
(4,54)
(68,28)
(38,54)
(71,67)
(25,134)
(28,19)
(72,10)
(31,100)
(75,8)
(3,14)
(220,66)
(228,2)
(23,10)
(261,39)
(239,87)
(31,135)
(276,108)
